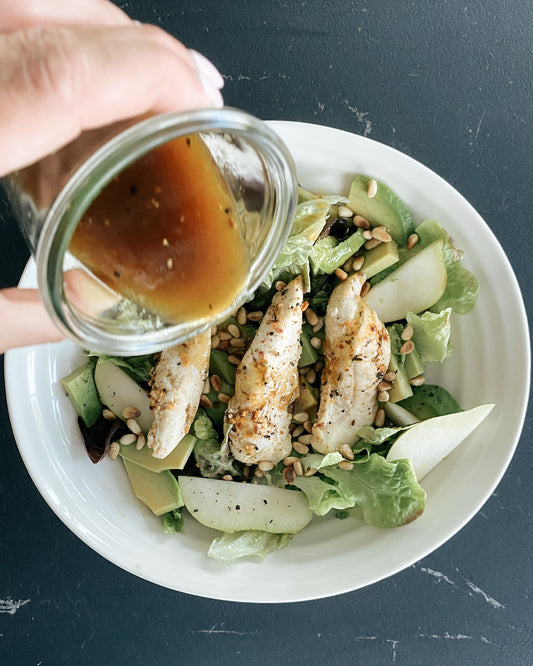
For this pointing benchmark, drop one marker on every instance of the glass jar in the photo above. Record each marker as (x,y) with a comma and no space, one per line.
(51,197)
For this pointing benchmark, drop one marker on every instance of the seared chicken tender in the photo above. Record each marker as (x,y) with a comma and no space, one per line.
(176,387)
(266,384)
(357,354)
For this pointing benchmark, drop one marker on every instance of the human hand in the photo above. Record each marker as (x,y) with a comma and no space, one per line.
(66,67)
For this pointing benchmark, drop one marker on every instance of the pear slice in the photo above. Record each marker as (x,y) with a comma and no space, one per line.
(414,287)
(118,390)
(426,443)
(232,507)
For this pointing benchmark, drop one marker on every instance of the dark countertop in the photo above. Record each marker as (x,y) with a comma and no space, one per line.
(449,84)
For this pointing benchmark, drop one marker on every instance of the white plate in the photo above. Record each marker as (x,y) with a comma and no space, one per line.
(490,364)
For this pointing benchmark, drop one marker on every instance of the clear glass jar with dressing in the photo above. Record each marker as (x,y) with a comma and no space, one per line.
(111,277)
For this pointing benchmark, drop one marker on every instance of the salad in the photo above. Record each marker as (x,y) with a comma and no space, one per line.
(312,399)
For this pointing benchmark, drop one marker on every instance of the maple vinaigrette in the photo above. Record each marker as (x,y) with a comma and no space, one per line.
(165,235)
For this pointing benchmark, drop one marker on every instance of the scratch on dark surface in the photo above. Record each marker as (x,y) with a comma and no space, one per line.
(439,576)
(11,606)
(490,600)
(215,630)
(361,117)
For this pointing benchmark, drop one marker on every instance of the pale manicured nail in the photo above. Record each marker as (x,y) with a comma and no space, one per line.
(210,78)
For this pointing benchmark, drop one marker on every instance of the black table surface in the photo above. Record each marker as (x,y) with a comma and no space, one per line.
(448,83)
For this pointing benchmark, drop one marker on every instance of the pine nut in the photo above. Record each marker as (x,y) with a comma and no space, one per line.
(224,397)
(358,263)
(300,448)
(347,266)
(279,285)
(390,376)
(265,465)
(316,343)
(411,241)
(311,317)
(344,211)
(383,396)
(345,464)
(381,234)
(342,275)
(290,460)
(205,402)
(318,325)
(361,222)
(384,386)
(311,376)
(298,468)
(237,342)
(108,415)
(407,332)
(372,189)
(310,471)
(417,381)
(234,360)
(300,417)
(141,441)
(256,315)
(234,331)
(241,316)
(372,243)
(130,412)
(215,382)
(215,341)
(379,421)
(289,475)
(346,452)
(308,426)
(227,477)
(134,426)
(114,450)
(367,234)
(128,439)
(259,473)
(305,439)
(299,430)
(407,347)
(365,288)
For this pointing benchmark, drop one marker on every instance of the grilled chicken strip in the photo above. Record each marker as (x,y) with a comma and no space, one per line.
(266,383)
(357,354)
(176,387)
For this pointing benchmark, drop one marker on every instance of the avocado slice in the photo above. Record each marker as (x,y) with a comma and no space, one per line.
(81,390)
(159,491)
(401,388)
(176,459)
(413,365)
(379,258)
(385,208)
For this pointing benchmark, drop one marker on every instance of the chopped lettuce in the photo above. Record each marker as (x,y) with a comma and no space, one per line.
(387,494)
(172,522)
(213,458)
(431,334)
(462,287)
(293,260)
(251,543)
(328,254)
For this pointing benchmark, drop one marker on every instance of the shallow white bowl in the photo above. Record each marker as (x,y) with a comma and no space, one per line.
(490,364)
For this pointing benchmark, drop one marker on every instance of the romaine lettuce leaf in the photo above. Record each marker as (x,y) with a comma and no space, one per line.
(172,522)
(387,494)
(462,287)
(213,458)
(251,543)
(431,334)
(293,260)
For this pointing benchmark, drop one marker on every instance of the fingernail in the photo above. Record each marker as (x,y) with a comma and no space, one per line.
(207,71)
(210,78)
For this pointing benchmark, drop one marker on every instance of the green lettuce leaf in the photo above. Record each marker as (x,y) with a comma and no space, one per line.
(462,286)
(250,543)
(387,493)
(321,495)
(213,458)
(172,522)
(431,334)
(328,254)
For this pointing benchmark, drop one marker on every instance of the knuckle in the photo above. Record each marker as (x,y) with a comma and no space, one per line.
(50,62)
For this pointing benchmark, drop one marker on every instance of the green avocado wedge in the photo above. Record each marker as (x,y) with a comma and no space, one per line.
(159,491)
(385,208)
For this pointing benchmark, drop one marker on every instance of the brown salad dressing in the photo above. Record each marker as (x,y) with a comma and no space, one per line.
(165,234)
